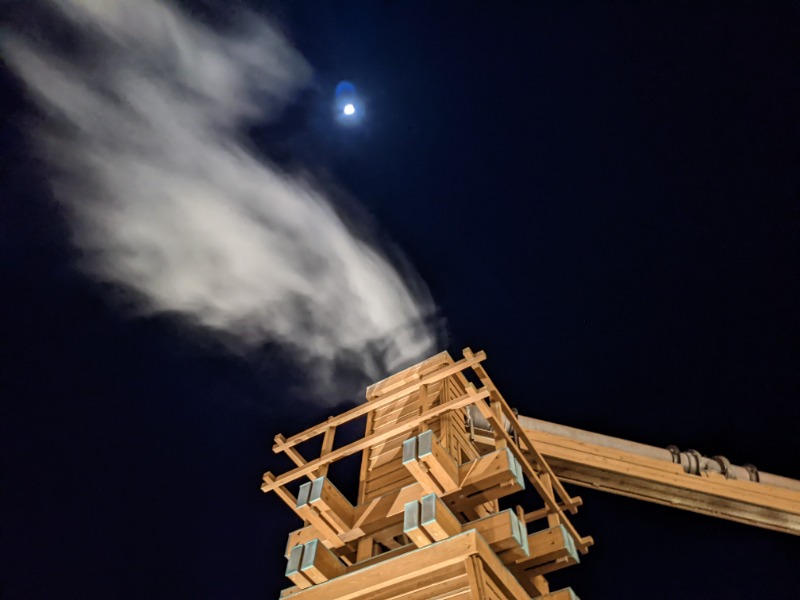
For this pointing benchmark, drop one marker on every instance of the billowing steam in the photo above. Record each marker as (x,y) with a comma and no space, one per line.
(142,114)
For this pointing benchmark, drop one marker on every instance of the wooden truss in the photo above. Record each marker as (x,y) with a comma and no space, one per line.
(427,522)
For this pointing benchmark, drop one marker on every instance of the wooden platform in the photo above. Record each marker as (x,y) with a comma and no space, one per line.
(437,513)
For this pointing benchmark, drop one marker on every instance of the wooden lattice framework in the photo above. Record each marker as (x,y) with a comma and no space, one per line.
(427,522)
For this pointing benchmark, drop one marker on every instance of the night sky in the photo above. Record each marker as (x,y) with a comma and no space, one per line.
(604,197)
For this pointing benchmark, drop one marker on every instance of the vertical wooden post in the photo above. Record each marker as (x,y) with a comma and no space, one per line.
(365,547)
(552,518)
(475,576)
(499,438)
(327,446)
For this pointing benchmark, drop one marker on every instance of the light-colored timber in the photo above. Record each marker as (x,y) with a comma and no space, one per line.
(442,510)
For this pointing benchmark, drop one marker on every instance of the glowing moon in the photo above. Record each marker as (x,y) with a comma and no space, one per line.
(348,108)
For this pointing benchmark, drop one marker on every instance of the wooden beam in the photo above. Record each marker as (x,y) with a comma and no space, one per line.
(412,373)
(381,402)
(311,514)
(293,572)
(331,504)
(436,519)
(504,534)
(388,574)
(440,464)
(365,442)
(535,515)
(663,482)
(327,447)
(474,476)
(419,470)
(295,456)
(412,527)
(282,492)
(475,576)
(365,548)
(549,545)
(320,564)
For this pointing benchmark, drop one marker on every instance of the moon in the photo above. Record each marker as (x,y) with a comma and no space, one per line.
(348,107)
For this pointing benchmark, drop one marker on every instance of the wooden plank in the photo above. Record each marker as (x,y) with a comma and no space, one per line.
(556,565)
(388,450)
(536,585)
(401,409)
(484,479)
(504,533)
(383,556)
(376,471)
(376,491)
(438,585)
(361,583)
(412,373)
(475,576)
(393,475)
(464,444)
(541,513)
(549,545)
(365,453)
(509,587)
(418,470)
(408,405)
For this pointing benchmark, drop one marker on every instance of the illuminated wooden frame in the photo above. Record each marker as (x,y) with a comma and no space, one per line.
(435,506)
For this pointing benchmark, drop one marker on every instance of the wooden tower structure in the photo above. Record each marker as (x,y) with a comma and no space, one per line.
(436,514)
(458,497)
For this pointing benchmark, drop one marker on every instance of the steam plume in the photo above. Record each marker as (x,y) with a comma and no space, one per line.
(142,117)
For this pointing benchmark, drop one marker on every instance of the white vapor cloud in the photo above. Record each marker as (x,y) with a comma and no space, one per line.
(142,129)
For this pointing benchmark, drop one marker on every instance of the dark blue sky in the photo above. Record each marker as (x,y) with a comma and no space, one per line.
(606,198)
